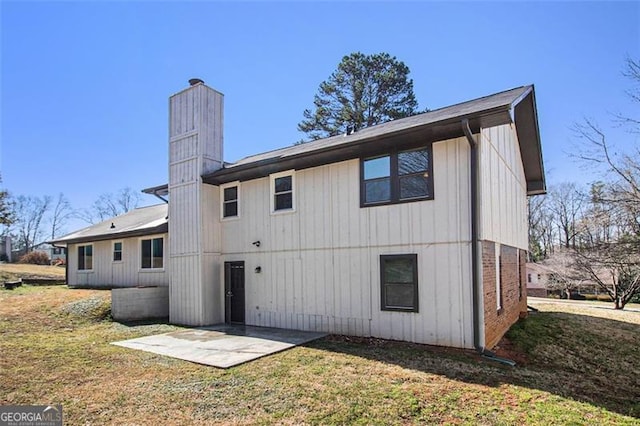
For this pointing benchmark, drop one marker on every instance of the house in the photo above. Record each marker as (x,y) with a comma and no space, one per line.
(412,230)
(537,279)
(58,255)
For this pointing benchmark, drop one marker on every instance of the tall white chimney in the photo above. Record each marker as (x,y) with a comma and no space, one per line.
(195,148)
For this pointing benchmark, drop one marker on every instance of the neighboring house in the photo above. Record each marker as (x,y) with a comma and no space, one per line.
(537,278)
(413,230)
(57,254)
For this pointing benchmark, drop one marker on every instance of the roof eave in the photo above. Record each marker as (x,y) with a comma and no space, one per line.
(414,136)
(160,229)
(526,122)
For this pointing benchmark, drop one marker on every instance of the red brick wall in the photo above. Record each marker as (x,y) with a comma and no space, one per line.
(513,290)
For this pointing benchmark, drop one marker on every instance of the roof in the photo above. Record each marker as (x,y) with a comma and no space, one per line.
(512,106)
(138,222)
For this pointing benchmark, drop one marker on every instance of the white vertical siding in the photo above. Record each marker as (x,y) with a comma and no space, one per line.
(107,273)
(320,264)
(503,188)
(195,148)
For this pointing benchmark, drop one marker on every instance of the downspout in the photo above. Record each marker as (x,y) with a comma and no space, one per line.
(475,261)
(475,282)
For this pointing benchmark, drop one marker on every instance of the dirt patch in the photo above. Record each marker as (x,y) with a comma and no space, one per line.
(506,349)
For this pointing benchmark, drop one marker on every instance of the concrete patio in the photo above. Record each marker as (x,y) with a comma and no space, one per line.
(221,346)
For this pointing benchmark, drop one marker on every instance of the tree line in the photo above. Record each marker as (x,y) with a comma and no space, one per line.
(32,220)
(592,234)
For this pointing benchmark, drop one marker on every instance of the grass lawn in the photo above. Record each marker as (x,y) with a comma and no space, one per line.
(581,366)
(14,271)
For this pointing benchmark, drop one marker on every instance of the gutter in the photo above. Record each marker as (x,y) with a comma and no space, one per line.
(475,260)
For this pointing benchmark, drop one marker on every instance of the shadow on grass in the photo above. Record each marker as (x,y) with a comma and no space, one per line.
(587,359)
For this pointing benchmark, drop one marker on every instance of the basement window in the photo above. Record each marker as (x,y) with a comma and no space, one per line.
(152,253)
(399,282)
(400,176)
(282,192)
(230,197)
(85,257)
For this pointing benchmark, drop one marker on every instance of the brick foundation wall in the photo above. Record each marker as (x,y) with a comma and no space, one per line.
(513,290)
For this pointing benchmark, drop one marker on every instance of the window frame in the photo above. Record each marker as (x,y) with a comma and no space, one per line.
(151,238)
(272,192)
(222,201)
(395,177)
(113,251)
(84,269)
(383,292)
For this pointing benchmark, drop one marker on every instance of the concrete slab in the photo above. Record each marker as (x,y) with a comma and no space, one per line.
(221,346)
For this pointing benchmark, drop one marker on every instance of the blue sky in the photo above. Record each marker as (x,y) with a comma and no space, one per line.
(85,85)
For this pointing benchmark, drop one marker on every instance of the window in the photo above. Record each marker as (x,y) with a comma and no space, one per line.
(528,278)
(85,258)
(152,253)
(117,251)
(399,282)
(397,177)
(282,187)
(230,201)
(56,250)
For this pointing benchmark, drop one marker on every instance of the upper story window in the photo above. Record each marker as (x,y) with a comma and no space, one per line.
(152,253)
(85,257)
(117,251)
(400,176)
(230,201)
(282,192)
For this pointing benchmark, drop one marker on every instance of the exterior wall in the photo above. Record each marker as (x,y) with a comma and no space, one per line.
(503,188)
(510,272)
(135,304)
(502,198)
(109,274)
(320,267)
(536,281)
(195,148)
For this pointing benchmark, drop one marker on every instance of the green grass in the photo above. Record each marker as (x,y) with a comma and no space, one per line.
(581,368)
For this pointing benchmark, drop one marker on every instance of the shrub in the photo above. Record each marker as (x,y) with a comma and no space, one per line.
(58,262)
(35,258)
(577,296)
(4,257)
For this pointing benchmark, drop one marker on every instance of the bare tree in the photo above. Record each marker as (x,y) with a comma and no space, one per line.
(61,213)
(6,208)
(29,212)
(610,253)
(564,274)
(109,205)
(541,228)
(614,267)
(565,203)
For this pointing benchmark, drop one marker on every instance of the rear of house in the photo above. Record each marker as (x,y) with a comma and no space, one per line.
(367,234)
